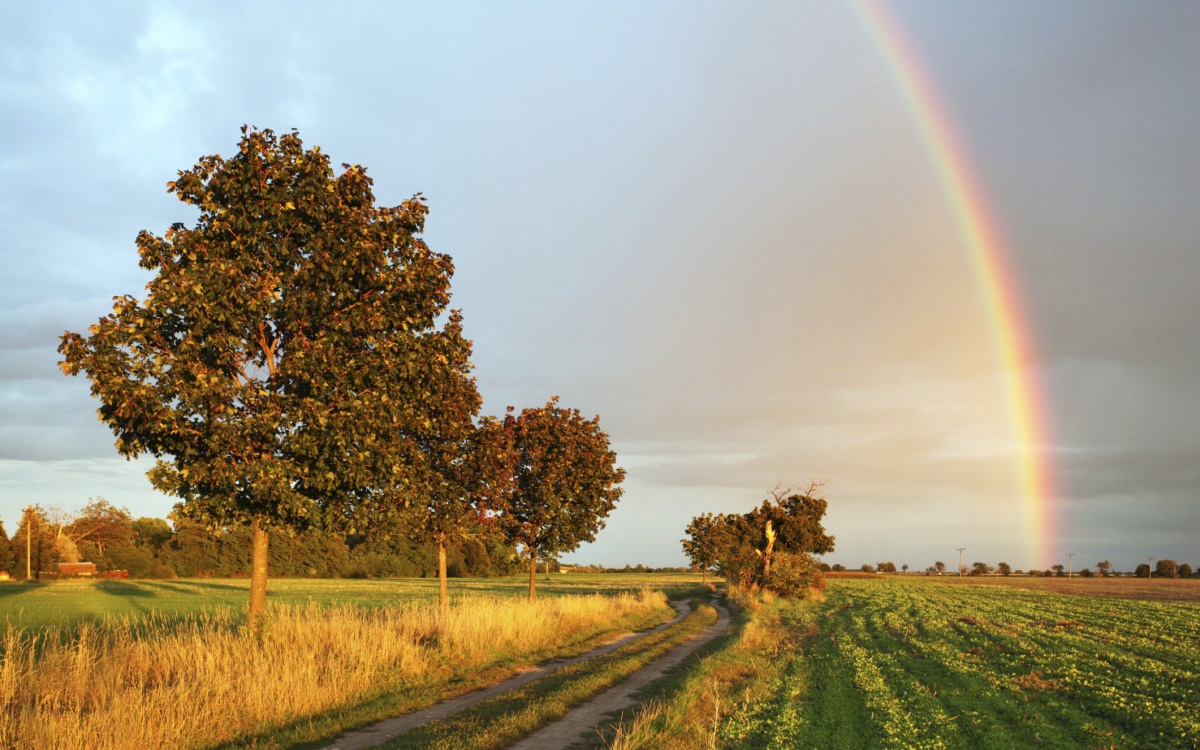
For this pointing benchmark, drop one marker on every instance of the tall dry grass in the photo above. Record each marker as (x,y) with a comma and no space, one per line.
(204,681)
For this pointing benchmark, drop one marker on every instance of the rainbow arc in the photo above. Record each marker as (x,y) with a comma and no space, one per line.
(989,262)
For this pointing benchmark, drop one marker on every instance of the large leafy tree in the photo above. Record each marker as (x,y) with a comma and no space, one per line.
(556,483)
(287,363)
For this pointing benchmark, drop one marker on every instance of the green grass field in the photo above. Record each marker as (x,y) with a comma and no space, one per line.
(922,663)
(68,603)
(880,662)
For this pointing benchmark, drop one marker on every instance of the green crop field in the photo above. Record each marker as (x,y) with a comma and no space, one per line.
(68,603)
(922,663)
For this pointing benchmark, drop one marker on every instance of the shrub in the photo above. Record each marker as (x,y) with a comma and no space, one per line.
(792,575)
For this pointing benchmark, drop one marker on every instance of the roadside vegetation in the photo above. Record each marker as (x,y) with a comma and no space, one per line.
(894,663)
(517,713)
(308,670)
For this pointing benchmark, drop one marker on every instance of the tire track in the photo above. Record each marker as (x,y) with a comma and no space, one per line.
(581,721)
(382,731)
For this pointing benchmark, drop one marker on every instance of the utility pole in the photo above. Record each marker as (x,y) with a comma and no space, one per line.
(1150,567)
(28,533)
(960,551)
(1070,564)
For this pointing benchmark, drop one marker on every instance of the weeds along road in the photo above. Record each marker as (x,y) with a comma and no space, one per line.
(582,720)
(438,719)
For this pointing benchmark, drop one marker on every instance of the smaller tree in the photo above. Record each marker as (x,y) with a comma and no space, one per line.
(1086,573)
(886,567)
(1185,571)
(150,532)
(981,569)
(1004,569)
(1142,571)
(904,567)
(553,479)
(940,566)
(866,567)
(1059,570)
(7,558)
(701,544)
(33,542)
(98,526)
(838,568)
(1165,568)
(1104,566)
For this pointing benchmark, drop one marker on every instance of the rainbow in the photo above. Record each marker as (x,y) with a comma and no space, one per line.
(986,250)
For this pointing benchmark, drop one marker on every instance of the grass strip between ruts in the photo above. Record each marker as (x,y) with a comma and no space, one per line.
(519,712)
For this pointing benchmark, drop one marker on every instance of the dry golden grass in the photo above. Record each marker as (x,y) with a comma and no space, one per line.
(205,682)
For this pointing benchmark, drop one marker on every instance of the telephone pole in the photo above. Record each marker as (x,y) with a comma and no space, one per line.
(960,551)
(1150,567)
(28,533)
(1070,564)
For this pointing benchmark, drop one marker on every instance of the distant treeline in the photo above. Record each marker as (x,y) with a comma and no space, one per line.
(567,567)
(1164,568)
(152,548)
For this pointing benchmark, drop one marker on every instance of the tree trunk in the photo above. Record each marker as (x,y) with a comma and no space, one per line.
(547,568)
(443,587)
(703,575)
(258,574)
(532,573)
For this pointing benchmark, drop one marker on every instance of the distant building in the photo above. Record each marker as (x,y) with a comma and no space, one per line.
(77,569)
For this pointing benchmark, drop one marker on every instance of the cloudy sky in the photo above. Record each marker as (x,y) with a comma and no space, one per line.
(713,224)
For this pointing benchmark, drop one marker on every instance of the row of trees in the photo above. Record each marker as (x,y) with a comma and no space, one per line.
(771,547)
(295,366)
(151,548)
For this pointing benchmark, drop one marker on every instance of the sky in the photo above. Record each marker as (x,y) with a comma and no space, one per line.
(715,225)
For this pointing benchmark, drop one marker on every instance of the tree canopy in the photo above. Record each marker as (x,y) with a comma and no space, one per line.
(769,547)
(555,480)
(289,361)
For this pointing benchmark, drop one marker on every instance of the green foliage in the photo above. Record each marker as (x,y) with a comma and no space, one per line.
(981,569)
(553,479)
(886,567)
(152,533)
(792,574)
(7,558)
(34,543)
(292,350)
(701,544)
(98,526)
(1166,568)
(744,546)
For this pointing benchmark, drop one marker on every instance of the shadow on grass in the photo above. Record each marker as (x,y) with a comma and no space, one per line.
(123,589)
(15,588)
